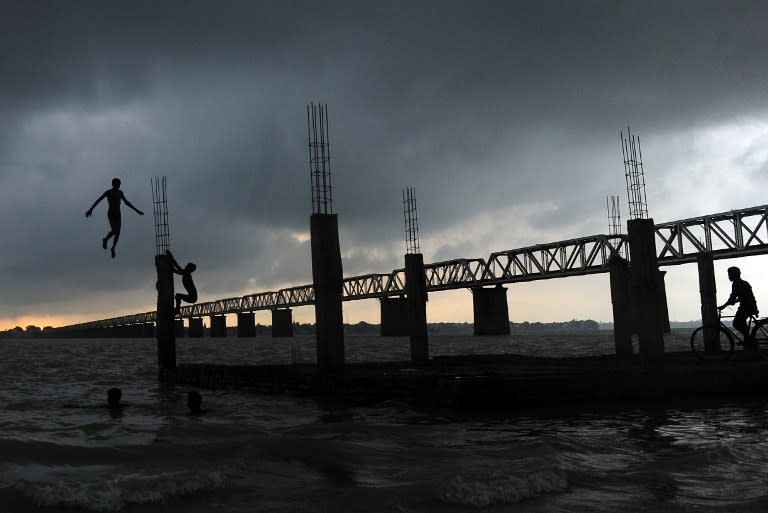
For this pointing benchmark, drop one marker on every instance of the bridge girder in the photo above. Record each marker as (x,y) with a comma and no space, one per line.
(725,235)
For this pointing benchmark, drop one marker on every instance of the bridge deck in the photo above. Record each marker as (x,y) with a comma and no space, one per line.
(503,382)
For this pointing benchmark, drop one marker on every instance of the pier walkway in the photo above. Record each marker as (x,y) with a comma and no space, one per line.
(503,382)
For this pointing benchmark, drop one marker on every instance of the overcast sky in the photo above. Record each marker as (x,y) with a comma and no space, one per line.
(503,115)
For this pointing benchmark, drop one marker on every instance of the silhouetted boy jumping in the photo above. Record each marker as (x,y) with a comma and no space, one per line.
(186,280)
(114,196)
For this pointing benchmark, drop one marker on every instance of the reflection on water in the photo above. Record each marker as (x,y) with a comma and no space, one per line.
(62,449)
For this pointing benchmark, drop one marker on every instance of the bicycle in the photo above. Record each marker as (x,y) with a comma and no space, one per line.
(718,344)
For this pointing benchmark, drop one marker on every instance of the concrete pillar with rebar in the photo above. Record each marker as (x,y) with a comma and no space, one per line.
(327,273)
(166,339)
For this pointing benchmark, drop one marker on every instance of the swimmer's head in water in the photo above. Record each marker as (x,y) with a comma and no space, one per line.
(194,400)
(113,397)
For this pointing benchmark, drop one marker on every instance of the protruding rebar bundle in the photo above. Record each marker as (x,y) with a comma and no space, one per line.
(612,204)
(411,221)
(160,209)
(635,177)
(319,159)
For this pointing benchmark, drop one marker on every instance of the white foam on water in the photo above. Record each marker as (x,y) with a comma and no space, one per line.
(114,494)
(480,493)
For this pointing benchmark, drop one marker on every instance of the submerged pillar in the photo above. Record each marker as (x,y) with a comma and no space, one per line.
(491,312)
(394,317)
(166,339)
(708,294)
(218,326)
(644,277)
(195,329)
(327,277)
(622,306)
(282,322)
(246,324)
(416,297)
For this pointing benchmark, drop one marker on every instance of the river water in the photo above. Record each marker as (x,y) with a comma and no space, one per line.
(61,449)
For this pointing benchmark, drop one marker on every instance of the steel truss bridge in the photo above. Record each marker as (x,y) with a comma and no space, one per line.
(725,235)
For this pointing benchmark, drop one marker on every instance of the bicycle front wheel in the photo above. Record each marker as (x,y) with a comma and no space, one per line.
(712,344)
(760,336)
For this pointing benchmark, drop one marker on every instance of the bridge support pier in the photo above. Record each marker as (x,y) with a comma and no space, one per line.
(148,330)
(166,339)
(663,307)
(394,317)
(178,328)
(416,301)
(623,318)
(282,322)
(196,327)
(327,277)
(246,324)
(491,311)
(708,295)
(218,326)
(645,289)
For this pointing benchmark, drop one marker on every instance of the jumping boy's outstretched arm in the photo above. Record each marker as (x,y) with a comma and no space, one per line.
(130,205)
(90,210)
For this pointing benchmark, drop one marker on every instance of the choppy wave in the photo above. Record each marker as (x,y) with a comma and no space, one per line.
(480,493)
(114,494)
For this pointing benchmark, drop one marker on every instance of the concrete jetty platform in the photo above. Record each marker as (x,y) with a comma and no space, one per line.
(493,381)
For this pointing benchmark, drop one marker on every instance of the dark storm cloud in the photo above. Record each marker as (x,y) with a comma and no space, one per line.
(480,105)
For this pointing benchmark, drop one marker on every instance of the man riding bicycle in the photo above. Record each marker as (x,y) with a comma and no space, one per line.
(741,293)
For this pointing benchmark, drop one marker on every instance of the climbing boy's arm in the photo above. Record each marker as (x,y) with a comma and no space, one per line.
(176,267)
(90,210)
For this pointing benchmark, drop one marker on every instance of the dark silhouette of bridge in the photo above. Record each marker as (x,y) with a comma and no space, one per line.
(731,234)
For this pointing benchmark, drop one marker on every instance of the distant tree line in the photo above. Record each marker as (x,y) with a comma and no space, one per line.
(30,331)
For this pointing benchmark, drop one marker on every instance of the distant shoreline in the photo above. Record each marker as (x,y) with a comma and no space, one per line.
(365,328)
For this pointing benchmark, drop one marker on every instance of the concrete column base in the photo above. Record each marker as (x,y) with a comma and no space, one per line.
(178,328)
(218,326)
(394,317)
(246,325)
(282,323)
(490,310)
(196,328)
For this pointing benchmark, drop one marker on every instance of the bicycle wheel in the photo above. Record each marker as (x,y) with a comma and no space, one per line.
(760,335)
(714,345)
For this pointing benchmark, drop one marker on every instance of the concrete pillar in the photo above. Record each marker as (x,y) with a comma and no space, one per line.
(491,312)
(327,278)
(416,297)
(282,322)
(178,328)
(708,294)
(195,327)
(166,339)
(218,326)
(622,307)
(246,324)
(394,317)
(644,279)
(663,307)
